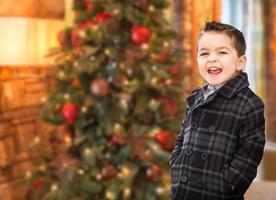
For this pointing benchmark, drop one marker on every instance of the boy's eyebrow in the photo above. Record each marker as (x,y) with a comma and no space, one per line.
(218,48)
(223,48)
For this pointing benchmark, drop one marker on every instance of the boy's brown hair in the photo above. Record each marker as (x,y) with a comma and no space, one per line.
(236,35)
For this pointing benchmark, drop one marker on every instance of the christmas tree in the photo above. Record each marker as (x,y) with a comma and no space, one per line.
(116,105)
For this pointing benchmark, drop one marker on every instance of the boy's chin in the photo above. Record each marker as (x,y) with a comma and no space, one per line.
(217,83)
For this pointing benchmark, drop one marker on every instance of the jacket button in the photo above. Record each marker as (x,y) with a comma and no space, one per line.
(200,184)
(189,152)
(204,156)
(212,129)
(194,124)
(184,179)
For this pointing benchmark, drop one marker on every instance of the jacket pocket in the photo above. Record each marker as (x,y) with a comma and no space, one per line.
(225,175)
(175,169)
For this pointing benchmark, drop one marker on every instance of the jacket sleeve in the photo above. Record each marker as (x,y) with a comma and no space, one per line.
(179,141)
(243,167)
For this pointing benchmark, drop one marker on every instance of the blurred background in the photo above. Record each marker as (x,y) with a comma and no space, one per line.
(28,29)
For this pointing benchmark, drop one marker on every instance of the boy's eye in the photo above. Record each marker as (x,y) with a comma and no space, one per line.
(204,54)
(223,52)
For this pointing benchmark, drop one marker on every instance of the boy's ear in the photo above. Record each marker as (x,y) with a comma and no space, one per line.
(241,62)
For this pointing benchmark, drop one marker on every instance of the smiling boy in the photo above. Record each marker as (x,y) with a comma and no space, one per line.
(221,141)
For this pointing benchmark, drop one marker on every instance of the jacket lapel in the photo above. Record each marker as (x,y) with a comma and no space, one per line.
(234,86)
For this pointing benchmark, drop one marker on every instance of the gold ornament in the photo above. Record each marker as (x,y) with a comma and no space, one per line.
(99,177)
(152,132)
(123,104)
(81,172)
(145,46)
(125,172)
(83,109)
(42,168)
(116,11)
(66,96)
(118,129)
(151,8)
(153,104)
(61,75)
(107,52)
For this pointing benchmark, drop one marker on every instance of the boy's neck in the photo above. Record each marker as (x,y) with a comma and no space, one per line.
(220,85)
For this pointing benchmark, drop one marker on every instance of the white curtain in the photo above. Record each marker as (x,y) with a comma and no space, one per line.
(247,16)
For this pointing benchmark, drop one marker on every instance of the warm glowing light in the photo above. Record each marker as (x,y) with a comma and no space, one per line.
(28,174)
(54,187)
(26,41)
(127,192)
(110,195)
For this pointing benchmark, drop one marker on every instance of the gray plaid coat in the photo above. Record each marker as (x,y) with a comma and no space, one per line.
(220,144)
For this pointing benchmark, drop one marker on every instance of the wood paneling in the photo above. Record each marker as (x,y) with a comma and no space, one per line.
(33,8)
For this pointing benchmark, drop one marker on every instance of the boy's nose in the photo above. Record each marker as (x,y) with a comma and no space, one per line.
(212,57)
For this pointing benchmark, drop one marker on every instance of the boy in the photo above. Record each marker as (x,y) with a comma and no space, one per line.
(222,137)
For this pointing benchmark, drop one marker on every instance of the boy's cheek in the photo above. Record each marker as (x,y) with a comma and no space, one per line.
(200,63)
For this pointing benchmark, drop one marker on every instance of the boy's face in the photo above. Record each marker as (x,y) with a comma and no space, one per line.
(217,58)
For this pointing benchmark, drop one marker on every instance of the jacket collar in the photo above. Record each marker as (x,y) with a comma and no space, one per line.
(235,85)
(228,90)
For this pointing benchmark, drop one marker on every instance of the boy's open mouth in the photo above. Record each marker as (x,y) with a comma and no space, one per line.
(214,70)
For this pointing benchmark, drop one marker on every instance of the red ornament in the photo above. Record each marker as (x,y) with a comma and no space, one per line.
(154,172)
(70,112)
(37,184)
(165,139)
(63,38)
(162,137)
(117,140)
(99,87)
(102,17)
(85,24)
(173,70)
(140,34)
(75,39)
(169,106)
(163,56)
(89,6)
(75,82)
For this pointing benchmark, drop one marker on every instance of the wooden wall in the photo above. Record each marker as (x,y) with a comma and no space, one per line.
(33,8)
(21,92)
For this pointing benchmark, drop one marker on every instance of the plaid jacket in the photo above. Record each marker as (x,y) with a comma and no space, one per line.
(220,144)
